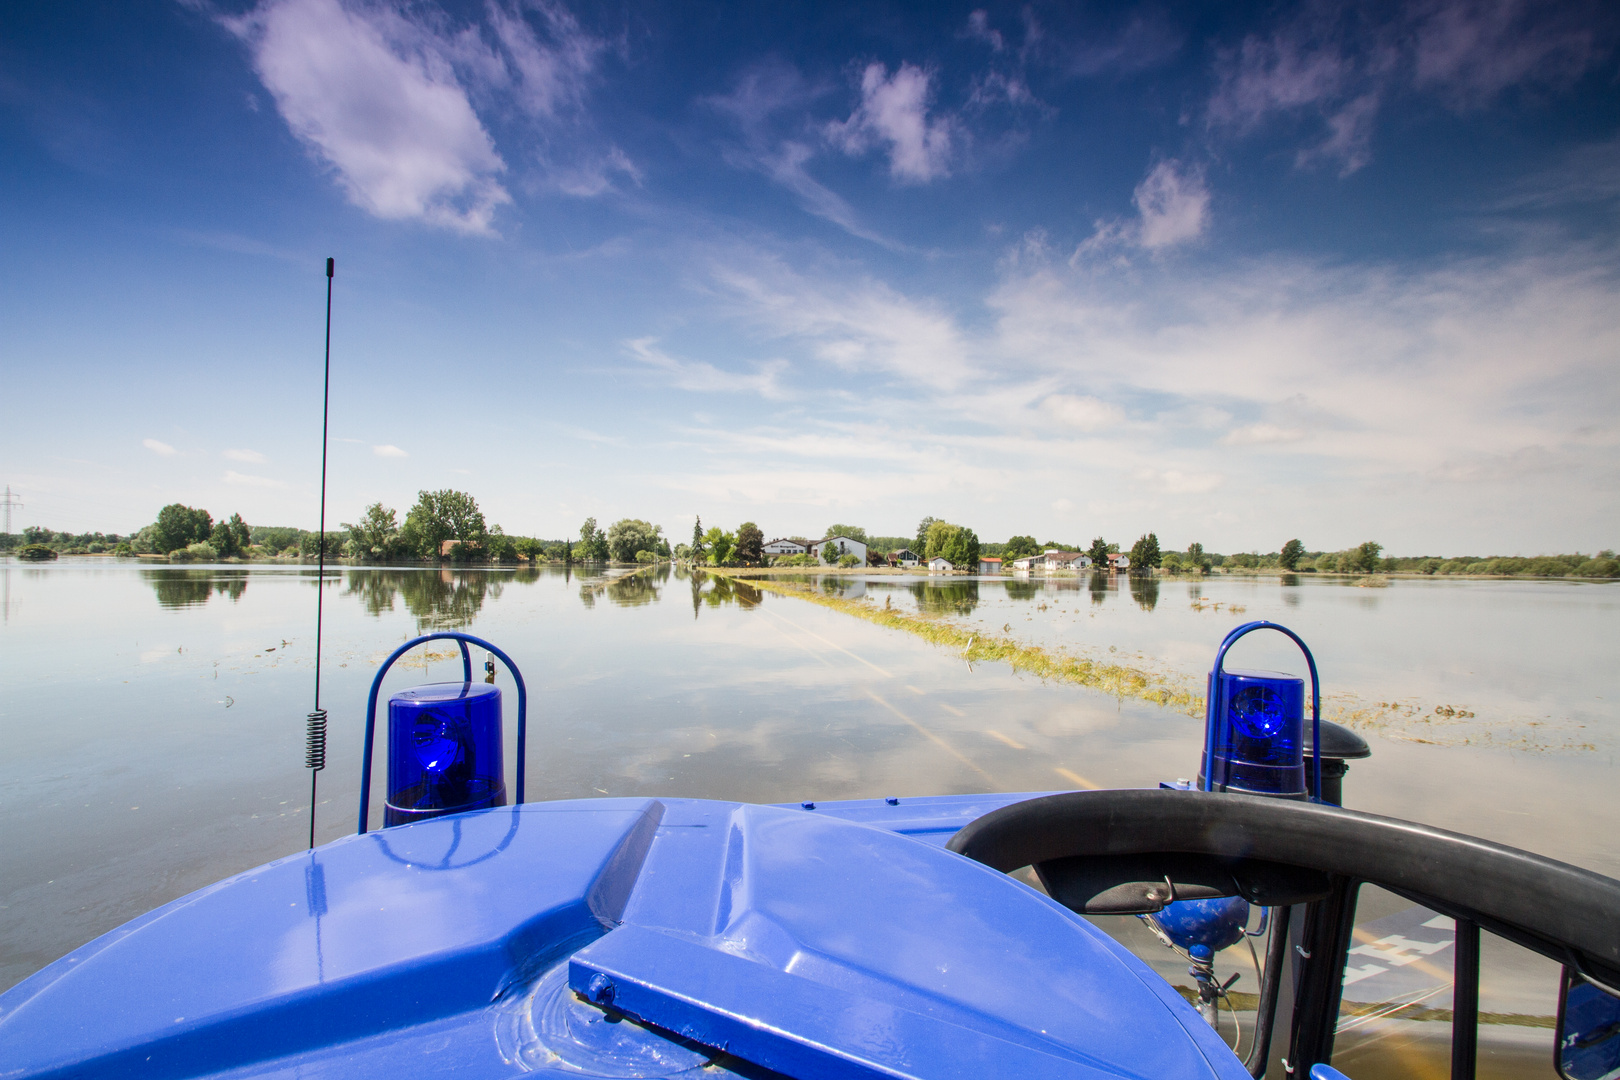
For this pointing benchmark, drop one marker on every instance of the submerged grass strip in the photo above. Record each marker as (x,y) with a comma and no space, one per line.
(1115,679)
(1237,999)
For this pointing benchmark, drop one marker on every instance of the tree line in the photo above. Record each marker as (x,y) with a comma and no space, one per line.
(448,525)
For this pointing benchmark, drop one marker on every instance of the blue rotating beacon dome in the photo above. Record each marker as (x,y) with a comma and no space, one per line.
(444,751)
(1259,742)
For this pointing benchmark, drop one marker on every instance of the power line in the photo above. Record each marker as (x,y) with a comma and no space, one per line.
(10,501)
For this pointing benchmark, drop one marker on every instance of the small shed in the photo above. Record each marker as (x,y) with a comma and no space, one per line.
(939,564)
(989,564)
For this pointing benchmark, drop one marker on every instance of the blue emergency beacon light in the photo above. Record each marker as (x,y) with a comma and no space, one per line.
(444,751)
(1254,726)
(1254,744)
(445,743)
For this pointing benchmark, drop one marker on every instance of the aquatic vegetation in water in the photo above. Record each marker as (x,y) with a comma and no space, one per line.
(1441,725)
(1116,679)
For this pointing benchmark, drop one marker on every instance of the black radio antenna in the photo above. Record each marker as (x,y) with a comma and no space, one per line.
(315,735)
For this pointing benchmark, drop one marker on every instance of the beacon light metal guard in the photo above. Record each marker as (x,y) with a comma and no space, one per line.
(1254,726)
(444,740)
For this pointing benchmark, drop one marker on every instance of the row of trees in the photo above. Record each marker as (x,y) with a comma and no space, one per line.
(186,532)
(189,533)
(716,547)
(956,544)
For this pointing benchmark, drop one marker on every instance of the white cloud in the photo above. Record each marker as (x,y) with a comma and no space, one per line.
(1177,482)
(1173,203)
(588,178)
(547,77)
(1472,50)
(1399,380)
(1340,71)
(762,96)
(241,480)
(979,27)
(1172,207)
(251,457)
(1084,413)
(894,112)
(1457,406)
(160,448)
(857,324)
(704,377)
(1260,434)
(375,96)
(389,450)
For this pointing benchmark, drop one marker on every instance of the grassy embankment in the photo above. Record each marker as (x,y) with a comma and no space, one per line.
(1115,679)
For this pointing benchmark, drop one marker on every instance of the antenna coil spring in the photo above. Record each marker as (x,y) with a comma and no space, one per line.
(315,741)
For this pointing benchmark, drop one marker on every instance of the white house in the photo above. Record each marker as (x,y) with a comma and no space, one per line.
(904,557)
(1119,561)
(1029,562)
(939,564)
(1065,560)
(785,547)
(841,546)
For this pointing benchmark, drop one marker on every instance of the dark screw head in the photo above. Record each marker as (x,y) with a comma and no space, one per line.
(600,989)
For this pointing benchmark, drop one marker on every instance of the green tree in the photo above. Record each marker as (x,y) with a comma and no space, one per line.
(750,543)
(920,545)
(309,545)
(853,532)
(697,538)
(230,538)
(222,542)
(530,548)
(1019,546)
(962,548)
(1365,557)
(1290,555)
(499,546)
(1098,552)
(376,534)
(593,545)
(444,515)
(1145,553)
(720,545)
(179,526)
(274,538)
(630,535)
(1195,559)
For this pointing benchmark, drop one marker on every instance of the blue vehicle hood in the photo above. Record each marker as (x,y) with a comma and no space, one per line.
(809,943)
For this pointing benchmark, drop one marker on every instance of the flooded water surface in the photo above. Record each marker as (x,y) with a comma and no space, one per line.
(153,716)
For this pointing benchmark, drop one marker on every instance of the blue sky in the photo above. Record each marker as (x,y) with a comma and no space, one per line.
(1232,274)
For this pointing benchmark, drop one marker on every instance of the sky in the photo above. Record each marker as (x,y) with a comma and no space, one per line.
(1233,274)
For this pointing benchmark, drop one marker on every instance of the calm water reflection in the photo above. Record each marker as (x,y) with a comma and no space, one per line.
(1510,663)
(153,716)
